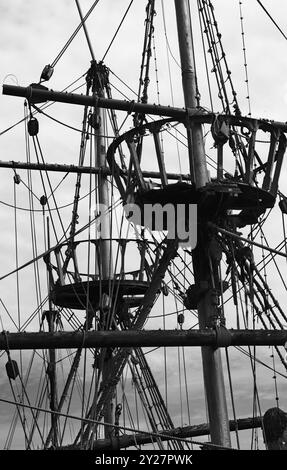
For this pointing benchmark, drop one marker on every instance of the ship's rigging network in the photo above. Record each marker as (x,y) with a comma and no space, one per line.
(93,270)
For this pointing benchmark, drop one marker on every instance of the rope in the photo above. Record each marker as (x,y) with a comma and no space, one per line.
(63,50)
(255,390)
(46,105)
(165,359)
(276,265)
(272,19)
(279,246)
(272,349)
(245,58)
(259,361)
(37,146)
(213,35)
(166,38)
(284,230)
(6,310)
(205,57)
(239,237)
(59,184)
(232,397)
(41,210)
(50,250)
(32,215)
(167,129)
(85,30)
(170,83)
(118,28)
(67,125)
(146,55)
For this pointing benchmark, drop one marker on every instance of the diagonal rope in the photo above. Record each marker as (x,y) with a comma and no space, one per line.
(272,19)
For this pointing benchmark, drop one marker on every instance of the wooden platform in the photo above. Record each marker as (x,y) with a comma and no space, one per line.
(82,294)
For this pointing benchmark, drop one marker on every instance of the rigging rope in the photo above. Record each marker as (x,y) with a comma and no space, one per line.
(245,58)
(170,83)
(239,237)
(268,313)
(232,397)
(118,28)
(39,110)
(94,220)
(85,30)
(272,19)
(41,210)
(205,57)
(142,95)
(32,216)
(255,388)
(56,60)
(44,106)
(246,353)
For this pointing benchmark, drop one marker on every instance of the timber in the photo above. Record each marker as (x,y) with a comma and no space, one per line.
(35,94)
(197,430)
(139,338)
(90,170)
(181,114)
(211,357)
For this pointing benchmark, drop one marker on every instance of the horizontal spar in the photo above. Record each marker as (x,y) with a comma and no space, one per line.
(40,95)
(81,169)
(127,440)
(220,337)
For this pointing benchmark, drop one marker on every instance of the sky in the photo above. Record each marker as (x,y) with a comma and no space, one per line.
(32,34)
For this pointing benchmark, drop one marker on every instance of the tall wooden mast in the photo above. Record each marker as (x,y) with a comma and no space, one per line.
(212,367)
(98,72)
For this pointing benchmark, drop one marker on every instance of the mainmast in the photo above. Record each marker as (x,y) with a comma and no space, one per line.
(99,78)
(211,358)
(105,246)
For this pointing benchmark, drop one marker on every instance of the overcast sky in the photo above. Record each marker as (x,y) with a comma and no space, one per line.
(33,33)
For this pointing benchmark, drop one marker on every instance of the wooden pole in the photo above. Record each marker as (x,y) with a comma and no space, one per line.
(211,359)
(89,170)
(34,94)
(185,432)
(50,316)
(141,338)
(105,250)
(51,372)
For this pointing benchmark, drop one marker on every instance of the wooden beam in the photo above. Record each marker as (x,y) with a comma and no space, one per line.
(185,432)
(36,94)
(83,169)
(141,338)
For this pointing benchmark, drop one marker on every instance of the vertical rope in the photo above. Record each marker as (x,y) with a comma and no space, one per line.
(205,56)
(170,80)
(245,57)
(232,397)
